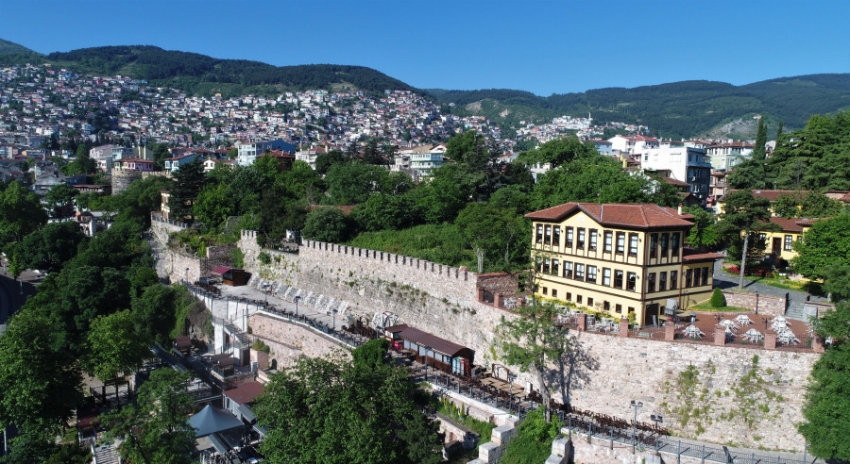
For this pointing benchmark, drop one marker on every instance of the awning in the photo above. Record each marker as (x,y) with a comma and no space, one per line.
(247,413)
(221,270)
(211,420)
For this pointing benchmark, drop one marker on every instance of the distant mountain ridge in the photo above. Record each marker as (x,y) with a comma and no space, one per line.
(203,75)
(680,109)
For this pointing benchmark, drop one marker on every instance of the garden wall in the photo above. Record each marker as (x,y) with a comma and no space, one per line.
(761,304)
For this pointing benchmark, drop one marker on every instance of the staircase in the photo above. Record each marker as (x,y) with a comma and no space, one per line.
(106,454)
(795,309)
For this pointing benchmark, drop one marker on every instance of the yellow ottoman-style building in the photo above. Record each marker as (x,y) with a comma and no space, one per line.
(619,259)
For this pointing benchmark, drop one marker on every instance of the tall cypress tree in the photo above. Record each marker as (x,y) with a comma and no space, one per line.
(188,182)
(761,139)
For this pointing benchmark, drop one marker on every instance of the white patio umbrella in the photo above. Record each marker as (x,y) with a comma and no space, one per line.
(743,319)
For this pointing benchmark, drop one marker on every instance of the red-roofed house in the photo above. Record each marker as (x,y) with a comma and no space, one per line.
(619,259)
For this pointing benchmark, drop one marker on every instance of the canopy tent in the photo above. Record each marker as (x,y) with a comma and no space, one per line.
(211,420)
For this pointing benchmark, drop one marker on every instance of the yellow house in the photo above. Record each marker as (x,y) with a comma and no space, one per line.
(780,244)
(619,259)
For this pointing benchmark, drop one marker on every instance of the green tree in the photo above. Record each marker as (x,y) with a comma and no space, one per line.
(788,205)
(39,386)
(49,247)
(60,197)
(326,225)
(382,211)
(837,282)
(761,140)
(470,149)
(154,313)
(742,214)
(156,429)
(704,233)
(826,411)
(326,160)
(114,346)
(826,244)
(818,205)
(750,174)
(353,183)
(385,419)
(531,341)
(20,212)
(491,233)
(213,205)
(160,153)
(559,151)
(597,179)
(188,181)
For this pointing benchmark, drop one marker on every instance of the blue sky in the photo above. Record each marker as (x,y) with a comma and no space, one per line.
(542,46)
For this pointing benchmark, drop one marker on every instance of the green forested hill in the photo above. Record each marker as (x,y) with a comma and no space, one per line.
(11,52)
(680,109)
(203,75)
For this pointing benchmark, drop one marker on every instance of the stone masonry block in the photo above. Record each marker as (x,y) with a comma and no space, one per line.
(719,336)
(669,331)
(489,453)
(624,327)
(502,435)
(770,340)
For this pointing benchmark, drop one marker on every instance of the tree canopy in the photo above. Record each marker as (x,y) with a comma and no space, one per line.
(334,411)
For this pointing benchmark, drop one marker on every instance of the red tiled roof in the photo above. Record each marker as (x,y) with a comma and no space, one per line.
(676,182)
(245,393)
(637,216)
(772,195)
(423,338)
(794,224)
(701,257)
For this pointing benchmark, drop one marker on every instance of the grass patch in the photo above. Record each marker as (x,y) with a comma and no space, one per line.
(708,308)
(778,282)
(533,443)
(457,414)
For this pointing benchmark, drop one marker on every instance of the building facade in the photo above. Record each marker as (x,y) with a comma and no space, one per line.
(250,150)
(686,164)
(619,259)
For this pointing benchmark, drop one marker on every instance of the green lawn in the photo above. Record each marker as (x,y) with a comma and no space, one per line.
(780,282)
(708,308)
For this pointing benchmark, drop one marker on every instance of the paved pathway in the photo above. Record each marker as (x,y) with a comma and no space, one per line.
(796,299)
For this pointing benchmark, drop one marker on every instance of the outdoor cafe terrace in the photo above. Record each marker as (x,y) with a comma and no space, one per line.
(736,329)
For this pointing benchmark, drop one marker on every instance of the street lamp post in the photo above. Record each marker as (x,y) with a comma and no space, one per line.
(334,311)
(657,419)
(186,276)
(297,299)
(636,405)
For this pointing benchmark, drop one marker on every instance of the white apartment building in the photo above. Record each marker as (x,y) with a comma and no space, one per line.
(686,164)
(633,145)
(729,154)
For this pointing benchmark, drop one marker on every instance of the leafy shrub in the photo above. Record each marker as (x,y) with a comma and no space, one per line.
(717,299)
(264,257)
(533,443)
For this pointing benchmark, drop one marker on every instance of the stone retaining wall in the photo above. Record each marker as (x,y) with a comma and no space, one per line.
(761,304)
(290,342)
(605,372)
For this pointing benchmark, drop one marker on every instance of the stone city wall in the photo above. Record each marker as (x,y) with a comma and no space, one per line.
(708,392)
(282,267)
(761,304)
(290,342)
(721,398)
(433,297)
